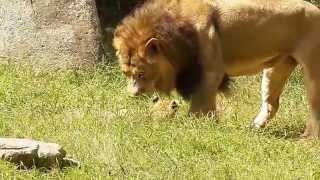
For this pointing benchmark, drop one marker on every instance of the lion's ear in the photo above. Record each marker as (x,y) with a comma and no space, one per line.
(116,32)
(116,40)
(152,47)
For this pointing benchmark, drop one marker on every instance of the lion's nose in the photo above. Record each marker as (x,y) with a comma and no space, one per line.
(137,91)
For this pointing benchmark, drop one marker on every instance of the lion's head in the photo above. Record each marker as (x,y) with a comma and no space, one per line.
(152,48)
(146,67)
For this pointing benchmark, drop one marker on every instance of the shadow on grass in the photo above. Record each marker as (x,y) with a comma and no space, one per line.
(287,132)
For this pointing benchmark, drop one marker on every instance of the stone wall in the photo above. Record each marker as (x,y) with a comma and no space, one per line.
(55,33)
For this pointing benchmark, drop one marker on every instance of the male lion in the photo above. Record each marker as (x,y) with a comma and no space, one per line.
(193,45)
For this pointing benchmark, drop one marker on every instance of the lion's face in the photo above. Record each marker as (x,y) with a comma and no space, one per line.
(147,69)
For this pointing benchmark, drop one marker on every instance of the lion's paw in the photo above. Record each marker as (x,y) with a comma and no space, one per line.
(164,107)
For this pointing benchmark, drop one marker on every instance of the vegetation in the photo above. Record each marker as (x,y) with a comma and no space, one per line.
(315,1)
(115,136)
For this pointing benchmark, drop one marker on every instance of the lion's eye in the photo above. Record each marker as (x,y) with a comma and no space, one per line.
(141,75)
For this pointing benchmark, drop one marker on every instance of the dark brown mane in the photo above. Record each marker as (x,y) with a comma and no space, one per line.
(149,19)
(157,19)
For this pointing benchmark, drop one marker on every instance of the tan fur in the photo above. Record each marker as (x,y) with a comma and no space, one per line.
(191,45)
(164,108)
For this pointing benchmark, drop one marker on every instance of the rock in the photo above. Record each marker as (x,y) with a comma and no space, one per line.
(66,162)
(54,33)
(19,151)
(28,153)
(49,154)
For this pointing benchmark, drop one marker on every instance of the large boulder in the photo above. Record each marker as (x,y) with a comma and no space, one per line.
(57,33)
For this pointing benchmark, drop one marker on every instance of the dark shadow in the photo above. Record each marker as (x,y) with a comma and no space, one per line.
(282,132)
(110,13)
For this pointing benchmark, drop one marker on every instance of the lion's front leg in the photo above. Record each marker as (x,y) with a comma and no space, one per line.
(203,101)
(203,104)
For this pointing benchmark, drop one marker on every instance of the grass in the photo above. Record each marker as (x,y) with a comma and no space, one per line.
(115,136)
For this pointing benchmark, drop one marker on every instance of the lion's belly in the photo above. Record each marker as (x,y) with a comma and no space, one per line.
(249,66)
(243,56)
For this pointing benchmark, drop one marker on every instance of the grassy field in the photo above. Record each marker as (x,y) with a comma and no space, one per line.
(115,136)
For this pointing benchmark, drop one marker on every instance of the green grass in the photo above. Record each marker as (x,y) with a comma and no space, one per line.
(114,136)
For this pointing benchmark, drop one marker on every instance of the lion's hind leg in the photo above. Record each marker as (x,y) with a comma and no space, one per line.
(307,54)
(273,82)
(312,78)
(311,67)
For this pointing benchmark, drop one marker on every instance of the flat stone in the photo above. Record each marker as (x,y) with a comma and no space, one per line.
(19,151)
(31,153)
(50,154)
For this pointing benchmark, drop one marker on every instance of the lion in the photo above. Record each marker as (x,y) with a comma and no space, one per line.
(163,107)
(193,46)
